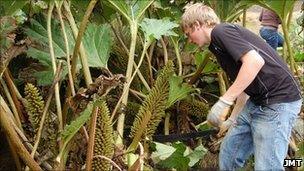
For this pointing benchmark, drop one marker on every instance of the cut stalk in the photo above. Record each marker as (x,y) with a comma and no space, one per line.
(244,17)
(14,93)
(11,102)
(15,155)
(221,81)
(289,50)
(8,128)
(29,147)
(167,124)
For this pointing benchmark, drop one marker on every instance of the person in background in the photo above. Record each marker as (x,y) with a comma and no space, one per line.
(267,97)
(270,22)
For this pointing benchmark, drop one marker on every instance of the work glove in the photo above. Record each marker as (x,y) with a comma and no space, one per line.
(214,115)
(225,126)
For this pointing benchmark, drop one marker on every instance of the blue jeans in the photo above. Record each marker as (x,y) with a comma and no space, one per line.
(263,131)
(272,37)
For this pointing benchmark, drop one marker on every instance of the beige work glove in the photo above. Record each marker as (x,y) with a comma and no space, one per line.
(225,126)
(215,114)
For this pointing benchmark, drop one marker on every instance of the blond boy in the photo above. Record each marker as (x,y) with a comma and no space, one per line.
(266,95)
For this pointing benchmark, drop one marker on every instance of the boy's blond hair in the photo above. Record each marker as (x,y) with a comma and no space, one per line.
(201,13)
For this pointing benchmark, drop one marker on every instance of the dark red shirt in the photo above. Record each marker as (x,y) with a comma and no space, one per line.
(269,18)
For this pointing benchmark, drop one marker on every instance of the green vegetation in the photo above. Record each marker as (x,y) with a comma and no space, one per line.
(120,72)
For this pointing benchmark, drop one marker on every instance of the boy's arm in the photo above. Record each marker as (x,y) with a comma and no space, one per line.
(252,63)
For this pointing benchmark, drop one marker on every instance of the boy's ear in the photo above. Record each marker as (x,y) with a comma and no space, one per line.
(196,24)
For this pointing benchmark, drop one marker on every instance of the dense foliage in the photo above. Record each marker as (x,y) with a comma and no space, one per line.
(87,84)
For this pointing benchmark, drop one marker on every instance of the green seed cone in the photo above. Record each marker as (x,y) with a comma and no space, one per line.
(34,105)
(153,108)
(104,140)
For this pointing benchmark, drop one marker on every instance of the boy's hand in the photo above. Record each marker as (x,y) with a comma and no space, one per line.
(214,115)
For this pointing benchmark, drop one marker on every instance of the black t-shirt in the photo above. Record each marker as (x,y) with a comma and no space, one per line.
(273,84)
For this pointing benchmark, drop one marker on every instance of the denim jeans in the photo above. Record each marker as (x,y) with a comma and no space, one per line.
(272,37)
(263,131)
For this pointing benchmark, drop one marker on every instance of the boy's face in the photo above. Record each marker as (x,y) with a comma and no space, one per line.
(197,35)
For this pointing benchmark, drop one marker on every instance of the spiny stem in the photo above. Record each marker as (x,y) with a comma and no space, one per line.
(127,52)
(124,97)
(84,59)
(90,148)
(199,69)
(29,147)
(109,160)
(71,82)
(179,61)
(164,50)
(52,53)
(131,79)
(45,109)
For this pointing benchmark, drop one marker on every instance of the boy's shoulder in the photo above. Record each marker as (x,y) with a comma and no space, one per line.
(224,28)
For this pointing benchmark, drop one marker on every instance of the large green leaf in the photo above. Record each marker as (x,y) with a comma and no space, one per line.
(177,156)
(97,42)
(78,8)
(178,90)
(157,28)
(210,66)
(9,7)
(177,160)
(37,31)
(229,10)
(71,129)
(39,50)
(196,154)
(299,56)
(168,9)
(46,76)
(131,9)
(7,26)
(162,152)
